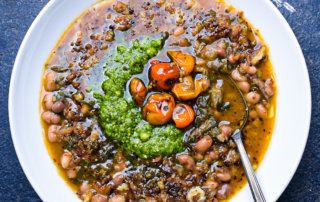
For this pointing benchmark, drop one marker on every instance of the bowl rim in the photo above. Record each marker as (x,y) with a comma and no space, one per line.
(51,3)
(308,91)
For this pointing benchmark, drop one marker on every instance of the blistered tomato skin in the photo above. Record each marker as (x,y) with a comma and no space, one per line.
(164,75)
(190,88)
(138,91)
(159,108)
(184,61)
(183,115)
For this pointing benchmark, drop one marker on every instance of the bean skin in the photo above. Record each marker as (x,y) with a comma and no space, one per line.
(224,176)
(184,42)
(225,133)
(244,86)
(252,97)
(234,58)
(99,198)
(198,156)
(262,111)
(58,107)
(225,129)
(252,70)
(211,185)
(235,30)
(50,117)
(203,144)
(118,179)
(50,81)
(52,133)
(48,101)
(224,191)
(187,161)
(66,160)
(71,173)
(237,76)
(210,156)
(268,87)
(84,187)
(117,198)
(253,114)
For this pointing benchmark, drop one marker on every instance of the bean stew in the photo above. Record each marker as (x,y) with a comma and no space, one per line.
(137,102)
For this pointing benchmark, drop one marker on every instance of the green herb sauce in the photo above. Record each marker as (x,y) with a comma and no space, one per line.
(120,117)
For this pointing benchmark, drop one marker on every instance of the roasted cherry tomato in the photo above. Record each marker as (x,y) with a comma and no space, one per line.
(183,115)
(184,61)
(189,89)
(159,108)
(138,91)
(164,75)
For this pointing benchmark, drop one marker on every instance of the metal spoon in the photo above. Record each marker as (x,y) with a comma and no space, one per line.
(236,136)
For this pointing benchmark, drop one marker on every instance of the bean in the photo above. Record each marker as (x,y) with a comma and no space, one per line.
(58,107)
(262,111)
(157,159)
(237,76)
(224,191)
(178,31)
(119,166)
(268,87)
(205,84)
(71,173)
(66,160)
(184,42)
(65,130)
(117,198)
(50,117)
(203,144)
(224,176)
(198,156)
(244,86)
(253,114)
(252,97)
(244,67)
(84,187)
(235,30)
(225,133)
(99,198)
(52,133)
(252,70)
(187,161)
(118,179)
(234,58)
(201,62)
(225,129)
(211,185)
(50,81)
(210,157)
(48,101)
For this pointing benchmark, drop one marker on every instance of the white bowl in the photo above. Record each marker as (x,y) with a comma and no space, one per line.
(293,101)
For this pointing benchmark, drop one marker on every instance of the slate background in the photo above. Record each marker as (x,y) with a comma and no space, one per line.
(17,15)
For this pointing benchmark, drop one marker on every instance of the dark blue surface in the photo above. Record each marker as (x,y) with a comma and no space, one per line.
(17,15)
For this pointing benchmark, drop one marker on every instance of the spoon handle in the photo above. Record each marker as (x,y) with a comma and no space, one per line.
(252,180)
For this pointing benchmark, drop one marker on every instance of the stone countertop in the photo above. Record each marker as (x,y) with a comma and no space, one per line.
(17,15)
